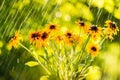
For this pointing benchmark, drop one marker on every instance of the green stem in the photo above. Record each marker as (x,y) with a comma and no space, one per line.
(102,40)
(85,67)
(25,48)
(43,66)
(78,59)
(83,48)
(35,58)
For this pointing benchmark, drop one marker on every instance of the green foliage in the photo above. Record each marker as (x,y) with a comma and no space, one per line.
(28,15)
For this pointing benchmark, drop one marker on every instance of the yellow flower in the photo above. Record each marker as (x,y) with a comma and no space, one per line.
(44,38)
(34,37)
(93,49)
(108,34)
(83,25)
(59,38)
(15,40)
(68,38)
(110,30)
(111,27)
(51,27)
(39,38)
(95,31)
(68,35)
(71,38)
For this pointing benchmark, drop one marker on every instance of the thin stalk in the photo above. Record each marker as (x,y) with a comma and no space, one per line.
(83,48)
(42,65)
(85,64)
(35,58)
(81,52)
(25,48)
(102,40)
(83,70)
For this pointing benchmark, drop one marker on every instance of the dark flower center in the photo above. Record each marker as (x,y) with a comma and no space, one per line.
(35,35)
(69,35)
(59,38)
(14,37)
(94,49)
(44,35)
(81,23)
(52,26)
(94,28)
(112,25)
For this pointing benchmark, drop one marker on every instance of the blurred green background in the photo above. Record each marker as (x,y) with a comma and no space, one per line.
(27,15)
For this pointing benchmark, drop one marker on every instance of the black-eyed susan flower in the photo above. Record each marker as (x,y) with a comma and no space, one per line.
(111,27)
(68,35)
(83,25)
(34,37)
(95,31)
(71,38)
(44,35)
(75,39)
(78,39)
(51,27)
(15,40)
(40,38)
(93,49)
(44,38)
(59,38)
(108,35)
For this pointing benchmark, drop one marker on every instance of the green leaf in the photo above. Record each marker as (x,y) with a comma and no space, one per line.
(44,78)
(32,63)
